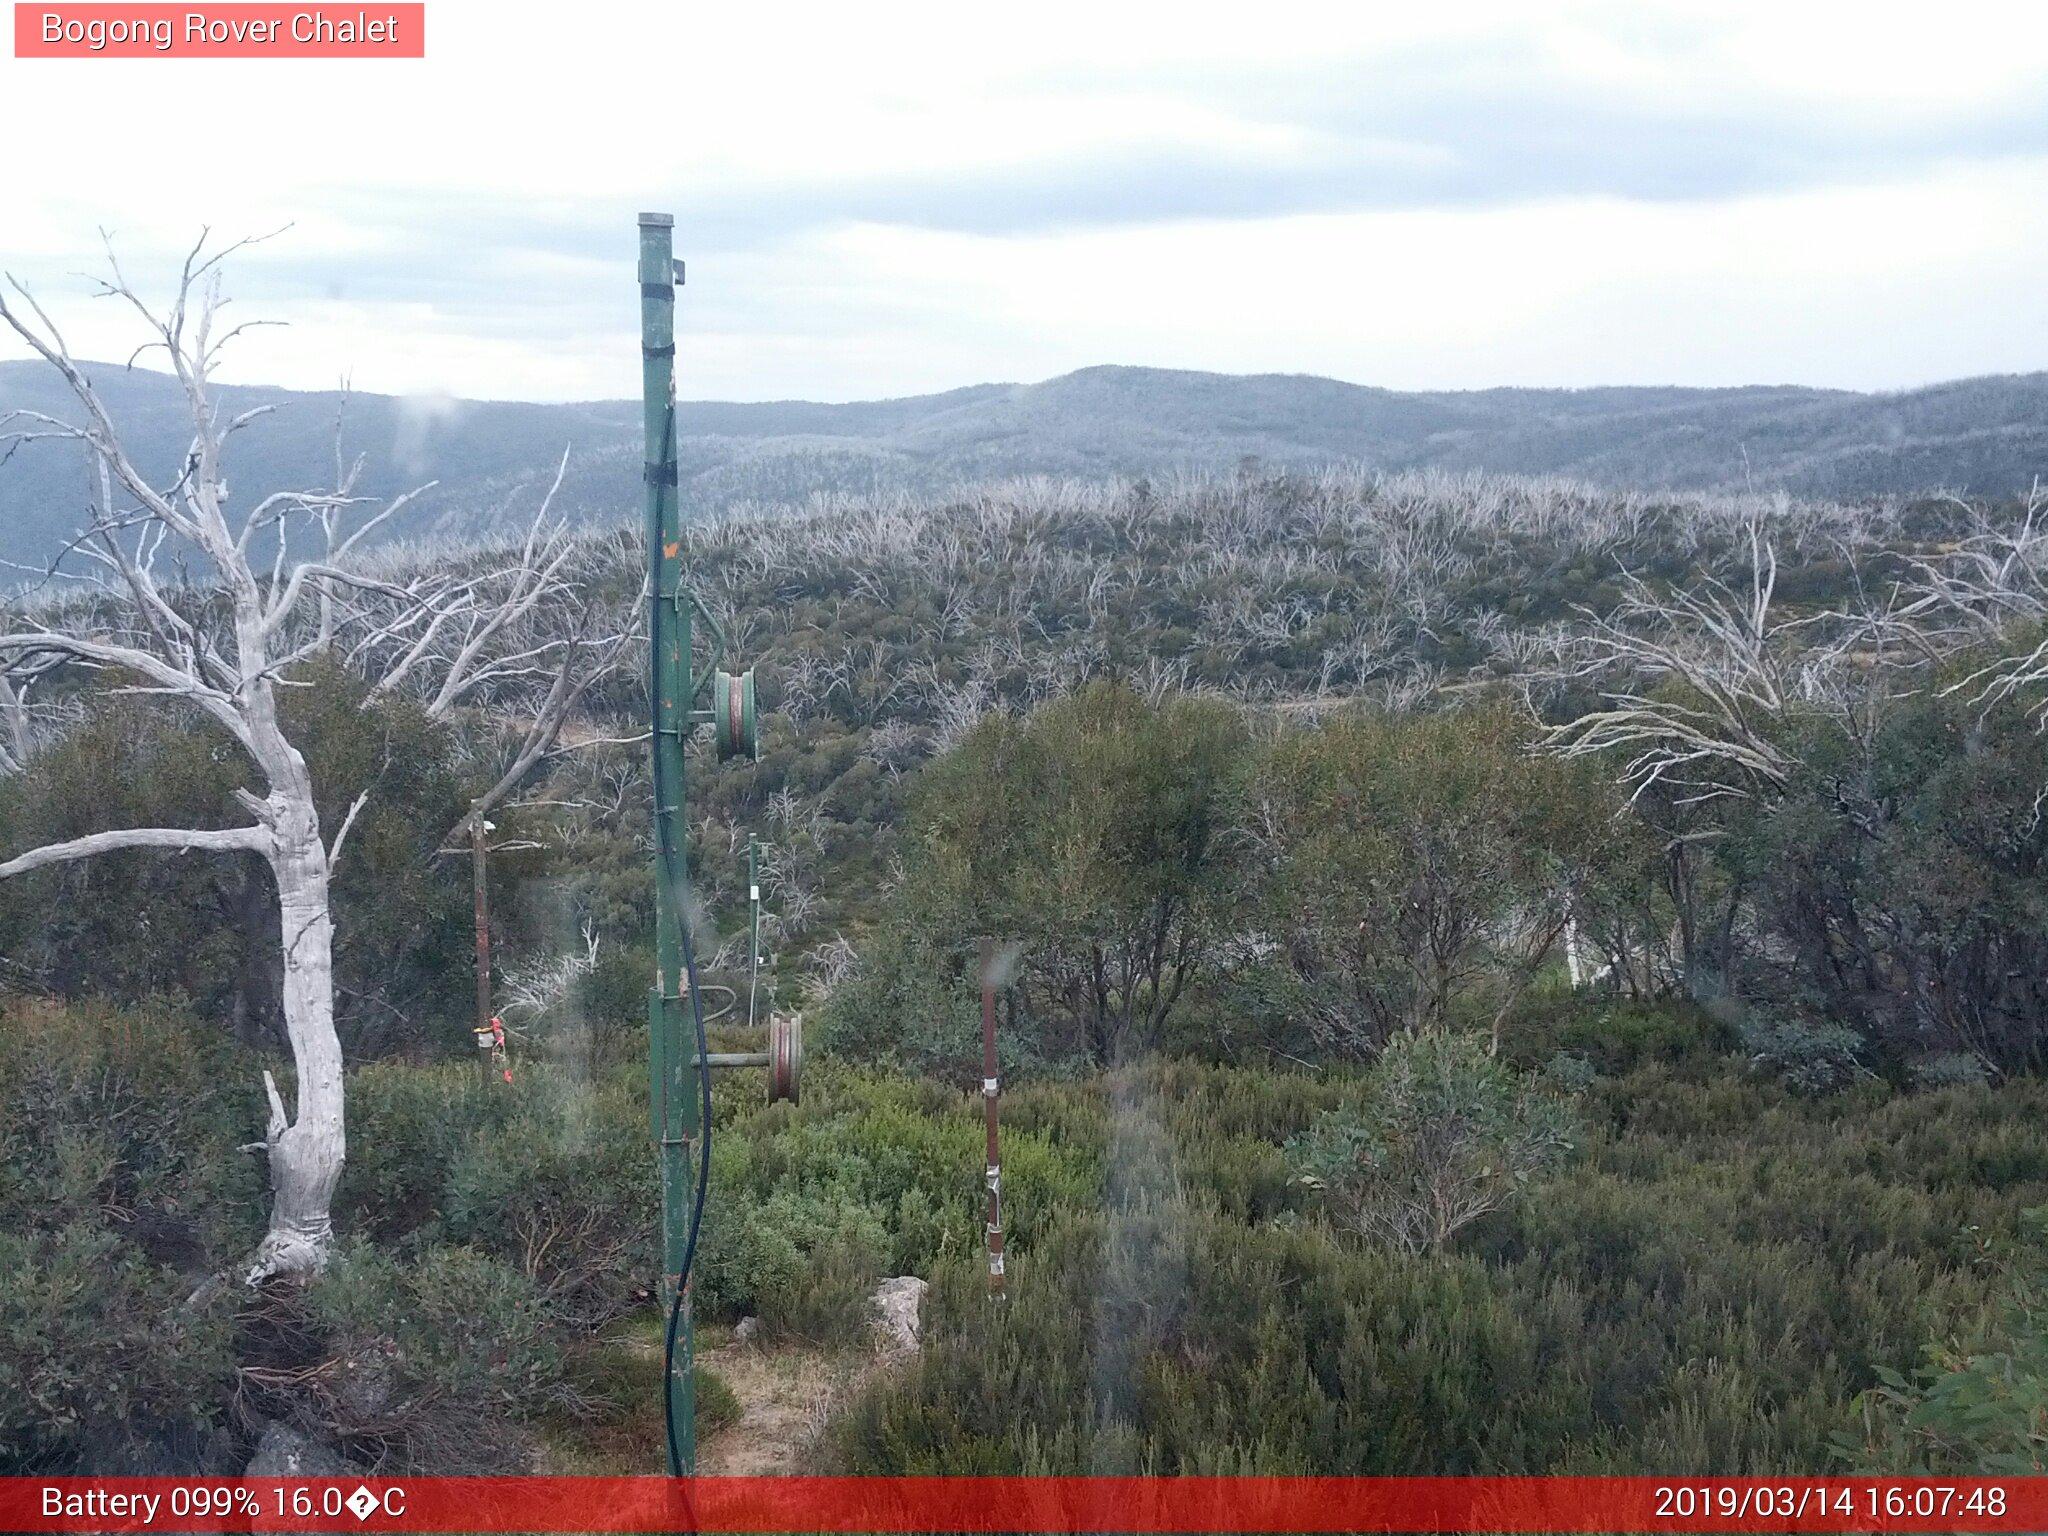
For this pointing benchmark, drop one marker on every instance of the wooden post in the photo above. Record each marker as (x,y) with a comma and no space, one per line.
(991,1089)
(484,1031)
(753,931)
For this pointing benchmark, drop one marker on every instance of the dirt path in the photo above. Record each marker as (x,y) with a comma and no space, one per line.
(785,1395)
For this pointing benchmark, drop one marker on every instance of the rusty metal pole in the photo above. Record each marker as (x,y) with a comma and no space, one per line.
(991,1089)
(483,944)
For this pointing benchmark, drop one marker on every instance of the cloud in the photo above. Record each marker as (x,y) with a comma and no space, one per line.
(954,195)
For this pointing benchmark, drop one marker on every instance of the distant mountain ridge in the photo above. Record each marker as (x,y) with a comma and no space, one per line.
(492,460)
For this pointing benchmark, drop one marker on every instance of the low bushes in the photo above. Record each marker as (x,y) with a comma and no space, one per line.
(1728,1263)
(120,1191)
(550,1173)
(1727,1266)
(1977,1406)
(718,1406)
(873,1174)
(425,1360)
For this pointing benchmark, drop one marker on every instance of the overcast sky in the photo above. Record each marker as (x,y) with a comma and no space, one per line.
(884,199)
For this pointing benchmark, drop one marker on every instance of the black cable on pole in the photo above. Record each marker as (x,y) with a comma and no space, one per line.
(671,887)
(675,1307)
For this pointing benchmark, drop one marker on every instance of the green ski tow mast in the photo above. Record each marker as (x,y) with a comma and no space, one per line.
(679,1083)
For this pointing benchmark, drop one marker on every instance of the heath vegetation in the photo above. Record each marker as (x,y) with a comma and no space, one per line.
(1500,975)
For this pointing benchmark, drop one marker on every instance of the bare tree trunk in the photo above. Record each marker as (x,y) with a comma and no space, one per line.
(305,1153)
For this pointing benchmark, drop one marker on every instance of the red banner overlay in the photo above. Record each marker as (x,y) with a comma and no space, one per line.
(352,29)
(1051,1504)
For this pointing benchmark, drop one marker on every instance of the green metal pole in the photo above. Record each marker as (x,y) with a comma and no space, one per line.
(672,1068)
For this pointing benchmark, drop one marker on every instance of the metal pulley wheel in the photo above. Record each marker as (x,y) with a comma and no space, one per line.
(785,1057)
(735,724)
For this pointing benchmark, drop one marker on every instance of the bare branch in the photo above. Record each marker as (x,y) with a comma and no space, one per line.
(341,837)
(167,678)
(1729,659)
(181,839)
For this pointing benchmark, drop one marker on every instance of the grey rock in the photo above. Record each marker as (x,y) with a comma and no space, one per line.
(897,1302)
(285,1452)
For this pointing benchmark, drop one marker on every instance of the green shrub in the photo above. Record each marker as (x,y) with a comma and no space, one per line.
(828,1300)
(1977,1409)
(1571,1074)
(563,1187)
(1953,1070)
(1618,1037)
(1728,1265)
(1810,1058)
(1446,1135)
(805,1264)
(424,1359)
(717,1404)
(550,1173)
(100,1365)
(121,1193)
(407,1125)
(611,998)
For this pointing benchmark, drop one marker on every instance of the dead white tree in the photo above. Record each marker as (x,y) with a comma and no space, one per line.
(1734,674)
(1702,691)
(223,651)
(1992,583)
(19,733)
(510,631)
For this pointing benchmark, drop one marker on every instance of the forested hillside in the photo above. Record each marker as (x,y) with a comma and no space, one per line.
(491,461)
(1501,975)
